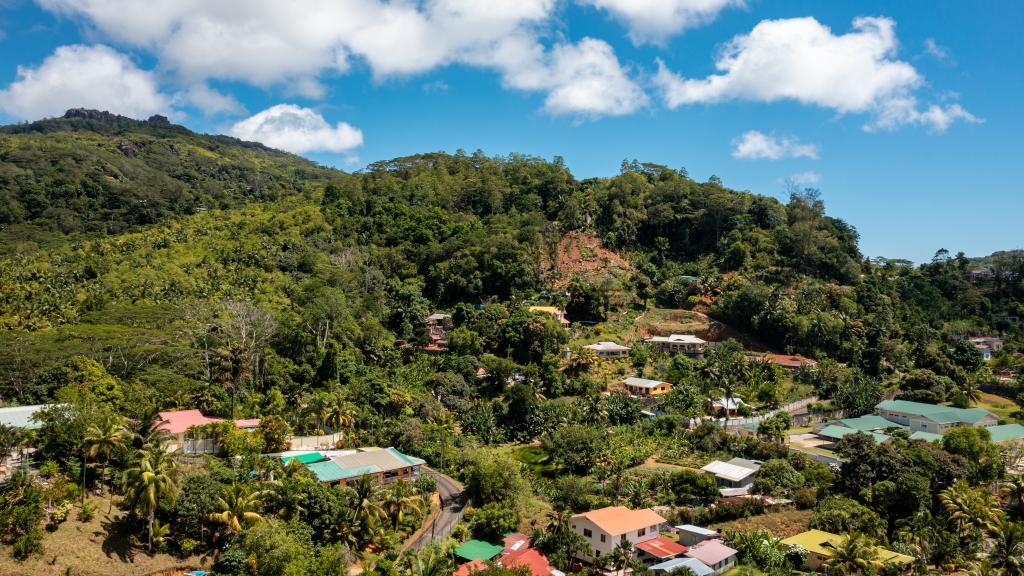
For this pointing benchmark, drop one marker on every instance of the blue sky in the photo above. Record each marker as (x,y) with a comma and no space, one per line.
(905,114)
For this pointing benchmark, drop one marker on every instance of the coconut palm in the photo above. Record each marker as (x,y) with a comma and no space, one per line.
(621,556)
(1007,552)
(968,508)
(151,477)
(103,439)
(855,554)
(429,561)
(365,498)
(239,505)
(1013,489)
(400,500)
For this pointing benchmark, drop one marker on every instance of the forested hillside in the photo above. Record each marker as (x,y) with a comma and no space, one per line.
(352,266)
(94,172)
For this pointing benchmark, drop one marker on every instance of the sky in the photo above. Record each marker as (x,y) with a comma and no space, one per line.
(904,114)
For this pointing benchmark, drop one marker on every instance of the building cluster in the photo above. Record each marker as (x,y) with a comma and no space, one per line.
(514,552)
(344,466)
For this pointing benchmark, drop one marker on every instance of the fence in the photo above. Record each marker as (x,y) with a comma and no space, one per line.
(212,446)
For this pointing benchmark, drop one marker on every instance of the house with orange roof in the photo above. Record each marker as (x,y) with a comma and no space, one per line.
(604,528)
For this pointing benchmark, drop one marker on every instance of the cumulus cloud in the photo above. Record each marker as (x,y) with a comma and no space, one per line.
(755,145)
(800,59)
(653,21)
(268,42)
(296,129)
(801,179)
(83,76)
(210,101)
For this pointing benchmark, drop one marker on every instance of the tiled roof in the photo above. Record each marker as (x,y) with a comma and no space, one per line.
(662,547)
(615,520)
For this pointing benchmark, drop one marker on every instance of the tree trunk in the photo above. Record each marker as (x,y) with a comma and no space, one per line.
(149,533)
(85,466)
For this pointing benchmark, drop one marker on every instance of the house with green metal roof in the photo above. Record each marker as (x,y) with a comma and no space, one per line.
(834,433)
(306,458)
(868,423)
(926,436)
(1006,432)
(478,550)
(921,417)
(387,465)
(821,545)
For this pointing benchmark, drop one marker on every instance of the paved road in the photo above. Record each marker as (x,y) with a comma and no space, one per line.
(453,500)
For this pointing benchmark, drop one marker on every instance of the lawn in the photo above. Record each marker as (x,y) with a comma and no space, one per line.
(536,459)
(785,523)
(102,547)
(1003,408)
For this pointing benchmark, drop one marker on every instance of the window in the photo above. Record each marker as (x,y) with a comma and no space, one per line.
(588,533)
(641,532)
(603,538)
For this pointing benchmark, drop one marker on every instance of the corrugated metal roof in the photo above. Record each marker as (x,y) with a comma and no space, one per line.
(730,472)
(934,412)
(1006,432)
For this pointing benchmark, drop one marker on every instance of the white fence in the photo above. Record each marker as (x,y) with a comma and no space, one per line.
(212,446)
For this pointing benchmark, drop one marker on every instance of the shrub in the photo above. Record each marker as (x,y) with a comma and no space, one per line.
(805,498)
(87,512)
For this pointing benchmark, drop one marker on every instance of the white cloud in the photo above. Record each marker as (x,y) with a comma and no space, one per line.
(653,21)
(904,111)
(296,129)
(210,101)
(800,59)
(931,47)
(79,76)
(294,44)
(809,178)
(754,145)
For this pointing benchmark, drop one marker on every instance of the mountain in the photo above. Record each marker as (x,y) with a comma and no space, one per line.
(90,172)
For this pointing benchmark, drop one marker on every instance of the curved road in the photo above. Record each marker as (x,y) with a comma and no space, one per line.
(453,500)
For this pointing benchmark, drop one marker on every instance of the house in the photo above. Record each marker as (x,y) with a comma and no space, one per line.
(518,552)
(477,551)
(987,345)
(685,343)
(690,534)
(658,550)
(1006,432)
(714,554)
(868,423)
(608,350)
(558,313)
(470,567)
(918,416)
(696,567)
(833,433)
(438,326)
(820,546)
(735,473)
(642,387)
(788,362)
(727,405)
(604,528)
(387,465)
(178,422)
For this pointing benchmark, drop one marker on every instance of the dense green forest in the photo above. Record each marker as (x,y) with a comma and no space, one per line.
(144,268)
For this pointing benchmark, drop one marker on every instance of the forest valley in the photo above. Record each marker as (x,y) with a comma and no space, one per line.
(146,268)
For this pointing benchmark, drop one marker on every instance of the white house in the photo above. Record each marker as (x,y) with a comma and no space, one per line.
(604,528)
(736,473)
(608,350)
(686,343)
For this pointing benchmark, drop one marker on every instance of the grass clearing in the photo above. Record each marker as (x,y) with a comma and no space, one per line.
(536,459)
(1002,407)
(101,547)
(784,523)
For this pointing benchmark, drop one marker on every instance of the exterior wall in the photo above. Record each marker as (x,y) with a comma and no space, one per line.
(387,477)
(611,353)
(689,538)
(581,525)
(685,347)
(814,561)
(658,390)
(724,566)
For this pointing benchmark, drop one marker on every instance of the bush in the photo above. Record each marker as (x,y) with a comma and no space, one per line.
(425,484)
(87,512)
(59,514)
(805,498)
(28,544)
(493,521)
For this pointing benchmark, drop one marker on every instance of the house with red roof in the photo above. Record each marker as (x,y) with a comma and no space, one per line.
(177,423)
(658,550)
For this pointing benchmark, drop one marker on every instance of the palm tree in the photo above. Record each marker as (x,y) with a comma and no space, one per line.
(101,440)
(855,554)
(1013,489)
(289,500)
(400,500)
(151,477)
(366,501)
(429,561)
(1008,547)
(621,556)
(971,391)
(238,506)
(968,508)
